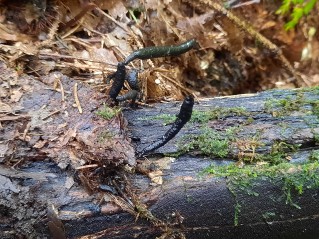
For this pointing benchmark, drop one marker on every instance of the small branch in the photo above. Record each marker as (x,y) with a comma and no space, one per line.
(77,102)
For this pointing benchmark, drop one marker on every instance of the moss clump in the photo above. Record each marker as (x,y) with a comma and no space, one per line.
(166,118)
(294,179)
(282,107)
(311,89)
(249,120)
(279,152)
(208,142)
(105,135)
(315,107)
(213,143)
(314,155)
(108,113)
(203,116)
(217,113)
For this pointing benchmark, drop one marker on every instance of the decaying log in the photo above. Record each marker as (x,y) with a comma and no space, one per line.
(167,194)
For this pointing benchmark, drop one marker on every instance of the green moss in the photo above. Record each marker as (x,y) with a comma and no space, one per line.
(217,113)
(314,89)
(208,142)
(166,118)
(108,113)
(281,147)
(315,107)
(105,135)
(279,152)
(282,107)
(249,120)
(293,179)
(289,104)
(314,155)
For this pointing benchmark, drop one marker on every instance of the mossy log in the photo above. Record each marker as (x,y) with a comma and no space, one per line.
(254,174)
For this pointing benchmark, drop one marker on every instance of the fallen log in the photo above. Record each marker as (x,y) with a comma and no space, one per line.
(243,167)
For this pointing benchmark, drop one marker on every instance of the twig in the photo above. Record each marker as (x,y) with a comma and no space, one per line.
(77,102)
(73,57)
(179,85)
(26,130)
(82,66)
(125,206)
(87,166)
(61,88)
(53,113)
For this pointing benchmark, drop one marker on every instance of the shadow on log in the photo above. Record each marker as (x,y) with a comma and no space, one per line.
(254,174)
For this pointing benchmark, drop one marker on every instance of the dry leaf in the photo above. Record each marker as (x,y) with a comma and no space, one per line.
(196,22)
(156,177)
(16,95)
(5,108)
(40,144)
(268,24)
(71,133)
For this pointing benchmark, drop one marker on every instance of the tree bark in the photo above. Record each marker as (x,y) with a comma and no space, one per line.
(162,195)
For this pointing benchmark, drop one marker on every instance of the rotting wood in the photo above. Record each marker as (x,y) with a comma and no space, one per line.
(171,197)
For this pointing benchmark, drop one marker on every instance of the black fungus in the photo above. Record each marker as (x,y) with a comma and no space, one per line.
(118,80)
(182,118)
(160,51)
(131,95)
(132,79)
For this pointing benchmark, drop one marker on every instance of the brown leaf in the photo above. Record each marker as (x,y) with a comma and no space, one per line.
(16,95)
(71,133)
(40,144)
(115,8)
(268,24)
(195,24)
(5,108)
